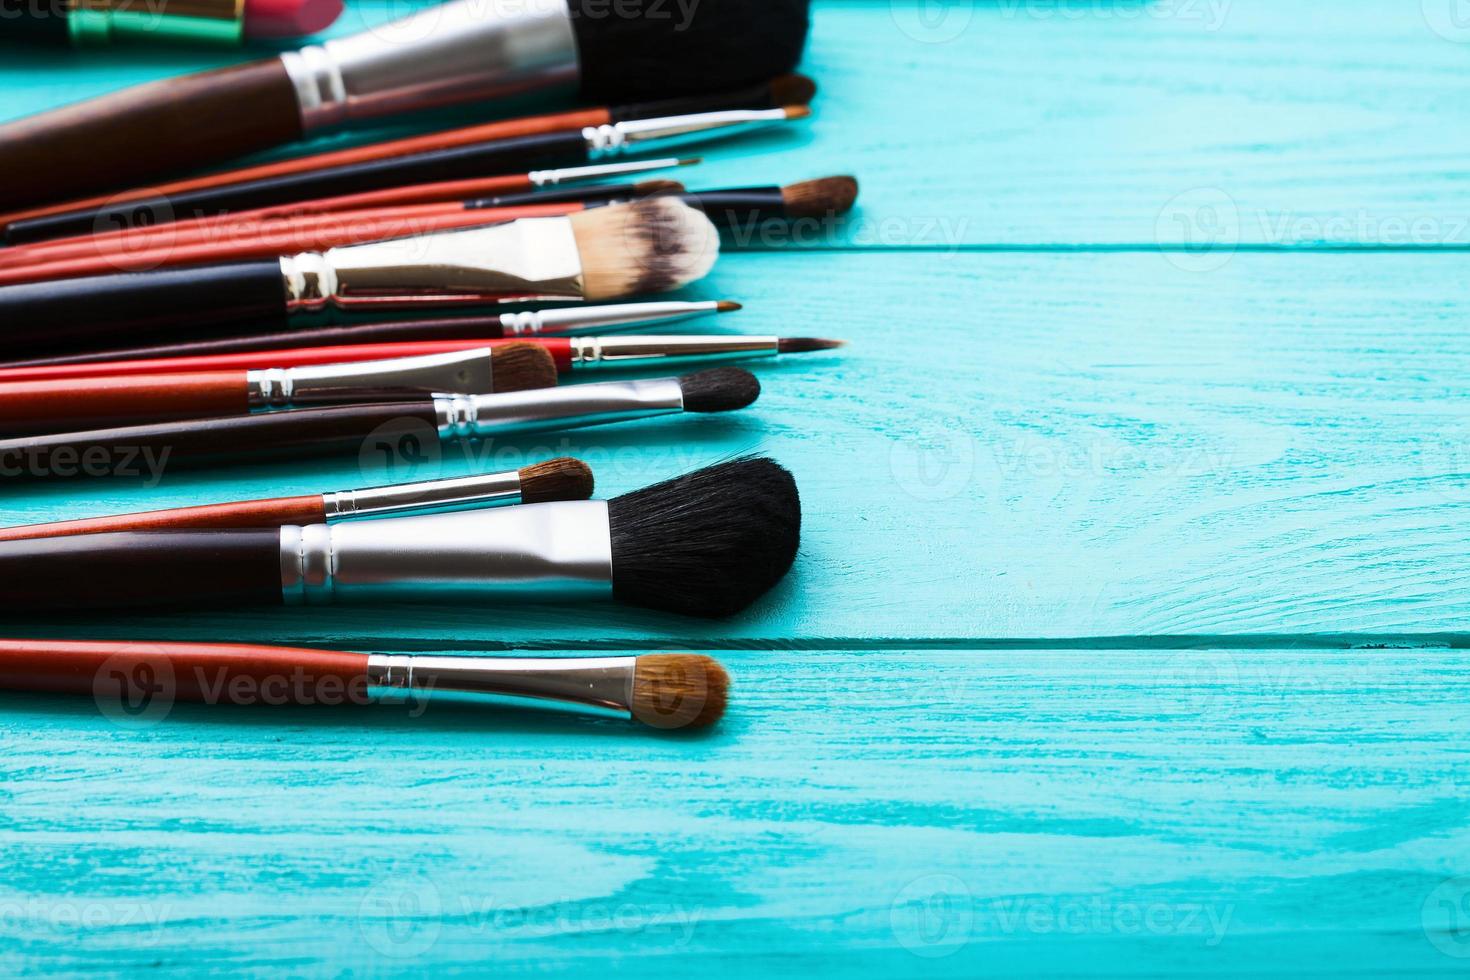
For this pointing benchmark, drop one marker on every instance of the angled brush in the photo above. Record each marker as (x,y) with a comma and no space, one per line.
(315,432)
(594,256)
(555,479)
(706,544)
(663,691)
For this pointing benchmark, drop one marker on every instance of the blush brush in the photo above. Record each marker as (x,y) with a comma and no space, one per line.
(125,399)
(706,544)
(452,53)
(315,432)
(594,256)
(556,479)
(663,691)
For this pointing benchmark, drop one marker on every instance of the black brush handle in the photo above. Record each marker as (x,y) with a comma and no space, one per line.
(70,313)
(387,430)
(141,568)
(507,156)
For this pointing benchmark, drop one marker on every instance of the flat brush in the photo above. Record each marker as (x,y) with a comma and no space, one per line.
(597,255)
(783,91)
(564,321)
(575,148)
(740,211)
(706,544)
(128,399)
(556,479)
(664,691)
(567,354)
(452,53)
(315,432)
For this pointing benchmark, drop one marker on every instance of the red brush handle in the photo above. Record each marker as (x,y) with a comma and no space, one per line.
(211,672)
(560,349)
(61,405)
(274,512)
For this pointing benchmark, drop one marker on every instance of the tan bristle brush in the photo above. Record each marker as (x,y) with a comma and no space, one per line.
(596,255)
(556,479)
(60,405)
(665,691)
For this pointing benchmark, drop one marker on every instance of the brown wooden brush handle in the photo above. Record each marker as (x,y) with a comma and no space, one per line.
(139,569)
(274,512)
(140,133)
(61,405)
(149,450)
(143,675)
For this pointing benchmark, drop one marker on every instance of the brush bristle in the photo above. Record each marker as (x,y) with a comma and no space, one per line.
(519,367)
(708,543)
(648,188)
(728,306)
(719,390)
(556,479)
(650,246)
(660,51)
(792,90)
(820,198)
(679,691)
(803,345)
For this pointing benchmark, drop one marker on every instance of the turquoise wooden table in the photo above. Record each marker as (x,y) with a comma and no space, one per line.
(1129,631)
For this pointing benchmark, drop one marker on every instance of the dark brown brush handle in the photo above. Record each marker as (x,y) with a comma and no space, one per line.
(378,429)
(141,568)
(141,133)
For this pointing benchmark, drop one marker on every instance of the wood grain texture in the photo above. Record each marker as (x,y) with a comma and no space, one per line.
(905,812)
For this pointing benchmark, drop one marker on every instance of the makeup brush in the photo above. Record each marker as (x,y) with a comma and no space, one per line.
(567,353)
(88,23)
(573,148)
(706,544)
(32,240)
(60,405)
(315,432)
(456,52)
(668,691)
(562,321)
(556,479)
(598,255)
(151,201)
(742,212)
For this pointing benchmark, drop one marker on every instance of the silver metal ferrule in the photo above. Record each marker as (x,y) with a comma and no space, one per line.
(467,372)
(570,320)
(427,496)
(660,350)
(538,550)
(570,407)
(451,53)
(601,685)
(567,175)
(519,261)
(643,135)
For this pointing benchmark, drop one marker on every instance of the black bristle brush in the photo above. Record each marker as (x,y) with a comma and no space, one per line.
(456,52)
(314,432)
(706,544)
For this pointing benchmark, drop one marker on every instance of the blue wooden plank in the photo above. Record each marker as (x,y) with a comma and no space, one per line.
(879,813)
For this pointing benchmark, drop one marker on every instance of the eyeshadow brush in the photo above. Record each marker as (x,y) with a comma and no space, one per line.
(452,53)
(551,322)
(557,479)
(705,544)
(669,691)
(317,432)
(151,201)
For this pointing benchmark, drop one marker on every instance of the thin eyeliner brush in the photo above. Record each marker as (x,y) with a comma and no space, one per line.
(563,321)
(556,479)
(669,691)
(316,432)
(575,148)
(783,91)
